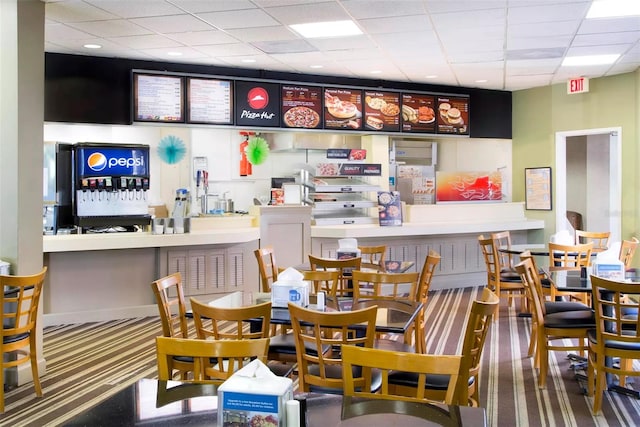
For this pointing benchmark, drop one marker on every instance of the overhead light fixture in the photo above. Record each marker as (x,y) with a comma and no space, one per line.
(482,81)
(576,61)
(174,53)
(316,66)
(248,60)
(327,29)
(613,8)
(375,72)
(431,76)
(92,46)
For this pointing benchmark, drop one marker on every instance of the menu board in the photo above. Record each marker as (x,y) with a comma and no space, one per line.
(257,104)
(158,98)
(342,109)
(301,106)
(453,115)
(209,101)
(382,111)
(418,113)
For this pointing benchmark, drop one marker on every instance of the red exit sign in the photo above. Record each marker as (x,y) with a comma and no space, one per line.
(578,85)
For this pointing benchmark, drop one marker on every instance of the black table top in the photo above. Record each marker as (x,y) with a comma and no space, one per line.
(161,403)
(575,281)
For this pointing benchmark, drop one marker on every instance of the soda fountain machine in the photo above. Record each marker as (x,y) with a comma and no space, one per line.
(111,186)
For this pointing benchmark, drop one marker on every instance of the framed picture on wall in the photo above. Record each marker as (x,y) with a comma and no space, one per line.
(537,184)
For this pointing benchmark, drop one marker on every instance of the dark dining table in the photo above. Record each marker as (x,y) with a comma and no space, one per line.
(152,402)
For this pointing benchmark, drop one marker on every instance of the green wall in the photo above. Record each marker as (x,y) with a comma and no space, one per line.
(541,112)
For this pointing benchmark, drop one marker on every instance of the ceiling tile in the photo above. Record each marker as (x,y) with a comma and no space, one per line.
(360,9)
(517,43)
(172,23)
(532,67)
(239,19)
(624,37)
(136,8)
(56,32)
(113,28)
(475,57)
(439,6)
(591,26)
(340,43)
(598,50)
(149,41)
(186,53)
(200,38)
(75,11)
(469,19)
(284,46)
(548,13)
(232,49)
(263,34)
(395,24)
(198,6)
(314,12)
(548,29)
(417,41)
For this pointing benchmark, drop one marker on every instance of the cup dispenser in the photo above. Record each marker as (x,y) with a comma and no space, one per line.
(111,185)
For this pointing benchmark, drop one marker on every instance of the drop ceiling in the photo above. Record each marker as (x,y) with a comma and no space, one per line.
(493,44)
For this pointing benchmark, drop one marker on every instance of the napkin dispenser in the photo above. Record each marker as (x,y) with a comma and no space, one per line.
(254,396)
(290,288)
(348,248)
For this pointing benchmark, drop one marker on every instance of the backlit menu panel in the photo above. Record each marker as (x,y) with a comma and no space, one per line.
(342,109)
(301,106)
(257,104)
(382,111)
(453,115)
(209,101)
(158,98)
(418,113)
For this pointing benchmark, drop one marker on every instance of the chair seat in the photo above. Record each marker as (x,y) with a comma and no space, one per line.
(335,371)
(391,345)
(619,345)
(15,338)
(561,306)
(286,344)
(570,319)
(432,382)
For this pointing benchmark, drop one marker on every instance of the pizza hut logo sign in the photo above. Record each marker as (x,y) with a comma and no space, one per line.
(258,98)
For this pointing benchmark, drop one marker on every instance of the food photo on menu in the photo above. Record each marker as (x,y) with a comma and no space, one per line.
(382,110)
(453,115)
(418,113)
(343,109)
(301,106)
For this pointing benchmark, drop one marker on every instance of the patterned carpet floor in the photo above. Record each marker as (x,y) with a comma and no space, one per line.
(89,362)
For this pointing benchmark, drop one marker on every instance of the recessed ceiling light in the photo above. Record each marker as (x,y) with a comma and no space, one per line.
(326,29)
(431,76)
(375,72)
(573,61)
(174,53)
(316,66)
(482,81)
(613,8)
(92,46)
(248,60)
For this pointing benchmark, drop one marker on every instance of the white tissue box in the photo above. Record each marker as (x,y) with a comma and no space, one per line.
(253,396)
(283,292)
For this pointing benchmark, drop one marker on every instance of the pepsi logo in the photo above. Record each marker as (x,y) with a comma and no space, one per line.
(258,98)
(97,162)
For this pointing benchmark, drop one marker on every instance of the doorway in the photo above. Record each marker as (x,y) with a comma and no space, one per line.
(599,144)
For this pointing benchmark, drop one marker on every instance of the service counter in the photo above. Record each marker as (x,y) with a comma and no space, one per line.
(97,277)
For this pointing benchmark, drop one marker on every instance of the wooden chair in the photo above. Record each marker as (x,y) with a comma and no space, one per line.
(373,257)
(552,327)
(321,370)
(600,240)
(424,283)
(344,266)
(496,281)
(323,281)
(359,359)
(478,324)
(507,262)
(550,306)
(169,295)
(230,356)
(19,314)
(384,286)
(627,250)
(616,335)
(570,258)
(267,267)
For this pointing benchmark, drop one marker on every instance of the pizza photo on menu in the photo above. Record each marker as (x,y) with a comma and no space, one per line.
(301,117)
(338,108)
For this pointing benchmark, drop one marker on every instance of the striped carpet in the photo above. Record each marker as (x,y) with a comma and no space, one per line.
(89,362)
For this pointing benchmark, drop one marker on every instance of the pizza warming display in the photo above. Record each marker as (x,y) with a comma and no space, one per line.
(301,117)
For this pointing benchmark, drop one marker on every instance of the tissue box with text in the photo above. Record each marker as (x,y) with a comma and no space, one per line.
(290,288)
(254,396)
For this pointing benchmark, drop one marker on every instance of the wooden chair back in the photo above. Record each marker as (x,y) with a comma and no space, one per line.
(217,322)
(343,266)
(19,313)
(503,239)
(214,360)
(318,330)
(627,250)
(491,261)
(424,283)
(384,286)
(373,257)
(356,359)
(600,239)
(569,257)
(267,267)
(169,294)
(323,281)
